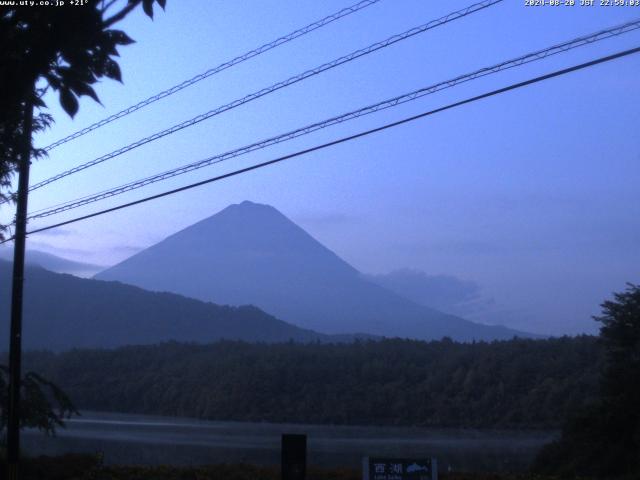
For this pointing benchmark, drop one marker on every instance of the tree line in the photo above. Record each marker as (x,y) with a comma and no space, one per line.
(507,384)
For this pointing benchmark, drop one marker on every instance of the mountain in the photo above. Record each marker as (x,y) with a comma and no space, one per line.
(63,311)
(53,262)
(252,254)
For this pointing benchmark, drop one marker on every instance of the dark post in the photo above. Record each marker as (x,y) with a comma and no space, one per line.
(294,457)
(15,339)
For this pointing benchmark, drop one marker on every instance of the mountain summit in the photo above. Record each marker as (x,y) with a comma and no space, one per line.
(252,254)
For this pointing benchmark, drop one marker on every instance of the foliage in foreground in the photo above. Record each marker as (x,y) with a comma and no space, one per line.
(517,383)
(603,439)
(65,49)
(44,405)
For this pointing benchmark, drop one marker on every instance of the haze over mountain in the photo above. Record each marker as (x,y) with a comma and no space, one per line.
(63,311)
(53,263)
(252,254)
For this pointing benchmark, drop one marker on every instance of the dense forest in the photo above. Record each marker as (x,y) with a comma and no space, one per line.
(517,383)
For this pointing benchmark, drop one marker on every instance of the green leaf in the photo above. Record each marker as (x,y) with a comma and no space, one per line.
(68,102)
(52,80)
(38,102)
(112,70)
(82,88)
(119,37)
(147,6)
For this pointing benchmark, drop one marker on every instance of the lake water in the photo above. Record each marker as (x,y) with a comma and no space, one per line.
(143,439)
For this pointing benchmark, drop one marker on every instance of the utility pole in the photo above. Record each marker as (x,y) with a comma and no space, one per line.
(15,339)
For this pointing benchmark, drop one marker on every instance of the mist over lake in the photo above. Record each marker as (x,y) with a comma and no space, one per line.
(154,440)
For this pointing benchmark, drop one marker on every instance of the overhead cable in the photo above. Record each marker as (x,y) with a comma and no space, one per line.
(212,71)
(277,86)
(392,102)
(299,153)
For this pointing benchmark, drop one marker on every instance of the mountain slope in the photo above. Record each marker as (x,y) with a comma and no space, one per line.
(252,254)
(62,311)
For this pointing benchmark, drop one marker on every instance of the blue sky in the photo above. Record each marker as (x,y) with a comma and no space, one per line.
(532,195)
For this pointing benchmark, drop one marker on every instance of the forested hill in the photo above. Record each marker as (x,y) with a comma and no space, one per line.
(517,383)
(63,312)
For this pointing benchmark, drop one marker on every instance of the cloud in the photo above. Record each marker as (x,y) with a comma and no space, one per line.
(444,292)
(57,249)
(57,232)
(469,247)
(126,249)
(457,247)
(326,219)
(459,297)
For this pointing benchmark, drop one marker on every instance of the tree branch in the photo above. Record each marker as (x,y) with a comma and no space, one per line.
(107,6)
(122,13)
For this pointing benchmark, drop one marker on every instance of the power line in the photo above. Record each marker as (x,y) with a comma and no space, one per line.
(524,59)
(492,93)
(277,86)
(223,66)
